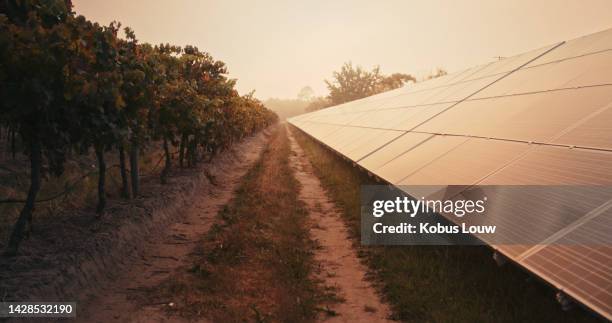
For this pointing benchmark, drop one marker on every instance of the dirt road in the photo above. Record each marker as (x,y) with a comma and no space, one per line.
(122,300)
(340,266)
(168,257)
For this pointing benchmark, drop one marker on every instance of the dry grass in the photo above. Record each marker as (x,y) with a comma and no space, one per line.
(256,264)
(438,283)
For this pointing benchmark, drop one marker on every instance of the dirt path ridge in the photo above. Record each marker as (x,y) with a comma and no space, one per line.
(340,266)
(118,302)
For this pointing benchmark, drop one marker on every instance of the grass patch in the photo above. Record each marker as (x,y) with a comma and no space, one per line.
(437,283)
(256,263)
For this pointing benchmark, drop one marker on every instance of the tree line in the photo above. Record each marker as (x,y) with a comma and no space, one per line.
(71,85)
(354,82)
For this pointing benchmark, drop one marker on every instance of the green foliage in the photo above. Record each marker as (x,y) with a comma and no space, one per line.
(353,82)
(69,84)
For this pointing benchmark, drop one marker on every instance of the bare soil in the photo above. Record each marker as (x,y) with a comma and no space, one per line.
(340,266)
(256,264)
(163,253)
(103,262)
(252,236)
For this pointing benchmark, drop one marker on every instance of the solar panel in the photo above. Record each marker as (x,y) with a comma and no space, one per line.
(459,167)
(393,149)
(580,263)
(515,209)
(375,139)
(395,170)
(583,71)
(595,131)
(539,118)
(546,165)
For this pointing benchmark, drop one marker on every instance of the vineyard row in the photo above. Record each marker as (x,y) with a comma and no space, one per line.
(71,85)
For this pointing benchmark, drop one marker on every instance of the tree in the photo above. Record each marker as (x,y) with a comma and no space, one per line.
(67,84)
(166,119)
(138,74)
(437,73)
(36,43)
(306,94)
(353,82)
(318,103)
(394,81)
(94,87)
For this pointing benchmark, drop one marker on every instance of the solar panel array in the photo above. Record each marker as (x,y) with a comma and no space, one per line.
(540,118)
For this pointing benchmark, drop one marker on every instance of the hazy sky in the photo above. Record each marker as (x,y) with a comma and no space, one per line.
(276,47)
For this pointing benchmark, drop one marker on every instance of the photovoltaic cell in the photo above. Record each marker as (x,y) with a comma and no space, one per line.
(555,209)
(580,46)
(319,131)
(356,140)
(531,117)
(539,118)
(385,118)
(399,168)
(367,145)
(581,268)
(545,165)
(582,71)
(410,118)
(460,167)
(392,150)
(595,131)
(343,136)
(598,71)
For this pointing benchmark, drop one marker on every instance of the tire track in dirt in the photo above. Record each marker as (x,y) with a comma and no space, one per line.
(340,266)
(124,300)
